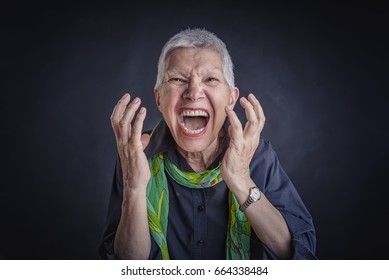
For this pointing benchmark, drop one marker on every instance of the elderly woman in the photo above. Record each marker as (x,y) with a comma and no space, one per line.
(200,185)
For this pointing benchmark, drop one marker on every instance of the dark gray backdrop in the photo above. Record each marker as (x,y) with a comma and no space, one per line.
(319,70)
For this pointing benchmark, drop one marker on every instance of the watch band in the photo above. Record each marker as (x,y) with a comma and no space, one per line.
(255,195)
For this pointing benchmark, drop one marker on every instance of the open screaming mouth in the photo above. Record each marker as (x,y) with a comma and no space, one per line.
(194,121)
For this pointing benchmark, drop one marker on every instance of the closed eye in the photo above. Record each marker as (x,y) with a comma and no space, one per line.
(177,81)
(212,81)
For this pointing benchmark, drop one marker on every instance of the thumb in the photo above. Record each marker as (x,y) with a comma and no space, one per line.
(145,140)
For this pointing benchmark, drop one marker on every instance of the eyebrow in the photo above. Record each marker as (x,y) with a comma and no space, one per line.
(171,72)
(174,72)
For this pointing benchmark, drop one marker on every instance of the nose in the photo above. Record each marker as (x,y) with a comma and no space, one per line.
(194,91)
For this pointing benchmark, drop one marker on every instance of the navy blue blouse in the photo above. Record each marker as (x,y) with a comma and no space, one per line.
(197,222)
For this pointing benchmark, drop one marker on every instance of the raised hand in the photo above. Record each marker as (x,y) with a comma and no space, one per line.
(243,142)
(130,141)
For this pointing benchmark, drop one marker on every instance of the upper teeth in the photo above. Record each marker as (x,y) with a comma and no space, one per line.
(194,113)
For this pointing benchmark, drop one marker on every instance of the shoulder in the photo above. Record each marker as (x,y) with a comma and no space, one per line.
(264,149)
(264,157)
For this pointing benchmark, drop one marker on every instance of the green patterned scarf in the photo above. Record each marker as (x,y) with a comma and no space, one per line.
(238,234)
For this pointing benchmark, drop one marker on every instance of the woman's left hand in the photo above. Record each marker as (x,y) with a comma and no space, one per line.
(243,142)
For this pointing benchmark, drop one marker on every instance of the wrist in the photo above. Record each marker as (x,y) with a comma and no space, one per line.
(240,187)
(132,181)
(254,196)
(135,189)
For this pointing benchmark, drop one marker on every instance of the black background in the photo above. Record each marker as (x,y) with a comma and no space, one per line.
(319,70)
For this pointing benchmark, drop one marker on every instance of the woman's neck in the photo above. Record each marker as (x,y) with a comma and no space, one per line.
(199,161)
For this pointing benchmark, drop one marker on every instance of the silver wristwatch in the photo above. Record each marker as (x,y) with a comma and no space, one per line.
(255,195)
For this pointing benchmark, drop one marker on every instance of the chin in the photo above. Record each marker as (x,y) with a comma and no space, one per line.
(194,146)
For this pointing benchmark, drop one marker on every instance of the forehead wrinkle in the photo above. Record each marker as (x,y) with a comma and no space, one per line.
(186,63)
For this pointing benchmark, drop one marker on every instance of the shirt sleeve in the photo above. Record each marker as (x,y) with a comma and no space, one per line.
(271,178)
(106,250)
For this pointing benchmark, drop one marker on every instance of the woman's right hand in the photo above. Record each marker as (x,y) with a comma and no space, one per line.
(130,141)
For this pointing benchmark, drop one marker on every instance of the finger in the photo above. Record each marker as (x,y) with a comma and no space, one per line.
(235,128)
(125,122)
(258,110)
(118,111)
(137,129)
(251,126)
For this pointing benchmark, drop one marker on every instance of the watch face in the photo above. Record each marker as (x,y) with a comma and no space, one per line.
(256,193)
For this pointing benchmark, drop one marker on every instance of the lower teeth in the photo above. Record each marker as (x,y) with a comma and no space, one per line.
(196,131)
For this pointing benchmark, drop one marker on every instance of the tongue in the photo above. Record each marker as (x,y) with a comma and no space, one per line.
(194,123)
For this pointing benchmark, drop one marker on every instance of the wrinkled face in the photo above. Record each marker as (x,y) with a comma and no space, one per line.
(193,97)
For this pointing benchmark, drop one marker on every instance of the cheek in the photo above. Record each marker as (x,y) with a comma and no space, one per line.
(219,104)
(167,107)
(164,101)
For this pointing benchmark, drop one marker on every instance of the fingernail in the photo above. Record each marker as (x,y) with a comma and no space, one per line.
(244,99)
(142,110)
(125,95)
(136,100)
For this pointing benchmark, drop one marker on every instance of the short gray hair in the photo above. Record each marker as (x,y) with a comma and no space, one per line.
(196,38)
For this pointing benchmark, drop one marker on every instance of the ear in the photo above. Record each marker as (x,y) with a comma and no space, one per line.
(234,96)
(156,96)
